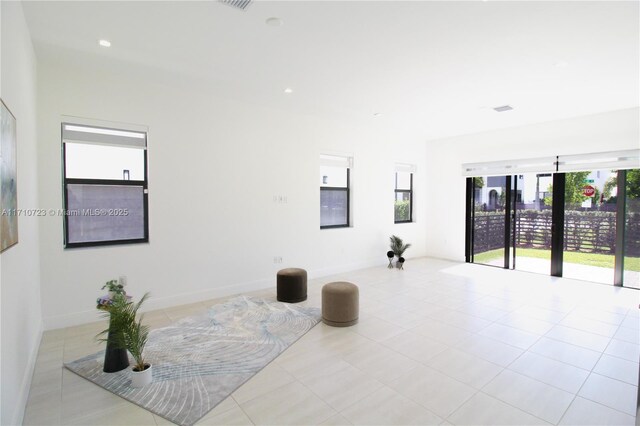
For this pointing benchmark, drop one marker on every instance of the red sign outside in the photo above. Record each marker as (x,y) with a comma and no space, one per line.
(588,191)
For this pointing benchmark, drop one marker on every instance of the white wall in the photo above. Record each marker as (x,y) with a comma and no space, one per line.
(19,273)
(214,168)
(446,207)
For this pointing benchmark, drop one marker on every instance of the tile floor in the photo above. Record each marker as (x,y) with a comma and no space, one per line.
(437,343)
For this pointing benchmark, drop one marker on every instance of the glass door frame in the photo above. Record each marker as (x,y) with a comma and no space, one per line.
(557,224)
(621,217)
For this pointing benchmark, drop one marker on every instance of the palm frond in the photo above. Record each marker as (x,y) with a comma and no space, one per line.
(397,245)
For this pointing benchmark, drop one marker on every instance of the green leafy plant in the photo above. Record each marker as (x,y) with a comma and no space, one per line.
(125,330)
(114,286)
(397,245)
(401,211)
(574,184)
(633,186)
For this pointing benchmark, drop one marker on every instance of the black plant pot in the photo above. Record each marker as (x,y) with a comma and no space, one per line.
(115,359)
(390,256)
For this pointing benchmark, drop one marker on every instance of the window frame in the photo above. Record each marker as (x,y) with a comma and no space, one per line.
(344,189)
(103,182)
(404,191)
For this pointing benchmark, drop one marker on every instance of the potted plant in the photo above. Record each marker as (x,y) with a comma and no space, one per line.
(129,333)
(398,247)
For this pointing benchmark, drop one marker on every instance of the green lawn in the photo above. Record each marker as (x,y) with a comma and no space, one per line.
(591,259)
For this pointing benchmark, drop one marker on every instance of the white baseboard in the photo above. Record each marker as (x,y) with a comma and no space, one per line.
(323,272)
(214,293)
(84,317)
(25,386)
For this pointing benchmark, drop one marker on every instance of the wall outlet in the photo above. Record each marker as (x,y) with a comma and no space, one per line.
(277,259)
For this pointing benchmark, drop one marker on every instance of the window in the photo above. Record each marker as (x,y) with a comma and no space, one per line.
(334,191)
(105,186)
(403,209)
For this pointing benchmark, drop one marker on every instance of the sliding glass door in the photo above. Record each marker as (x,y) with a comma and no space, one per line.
(489,203)
(577,225)
(511,221)
(590,225)
(532,222)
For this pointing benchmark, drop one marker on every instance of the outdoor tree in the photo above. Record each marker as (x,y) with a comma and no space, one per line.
(611,183)
(633,185)
(596,197)
(574,183)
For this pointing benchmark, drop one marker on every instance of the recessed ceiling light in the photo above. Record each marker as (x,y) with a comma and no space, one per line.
(274,22)
(104,43)
(560,64)
(377,114)
(288,90)
(503,108)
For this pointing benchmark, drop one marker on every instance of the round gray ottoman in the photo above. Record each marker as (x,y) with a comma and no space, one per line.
(291,285)
(340,304)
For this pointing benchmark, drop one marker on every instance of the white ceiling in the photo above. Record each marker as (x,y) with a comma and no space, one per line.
(433,69)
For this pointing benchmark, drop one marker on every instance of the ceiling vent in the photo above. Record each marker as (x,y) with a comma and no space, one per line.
(238,4)
(503,108)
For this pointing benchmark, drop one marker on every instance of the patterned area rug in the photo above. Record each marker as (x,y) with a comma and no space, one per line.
(199,361)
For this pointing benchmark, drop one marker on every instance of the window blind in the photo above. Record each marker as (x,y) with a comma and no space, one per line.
(77,133)
(405,168)
(336,161)
(510,167)
(615,160)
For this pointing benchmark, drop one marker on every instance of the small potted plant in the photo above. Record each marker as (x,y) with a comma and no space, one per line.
(398,247)
(129,333)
